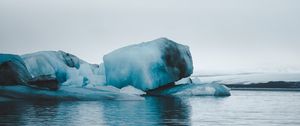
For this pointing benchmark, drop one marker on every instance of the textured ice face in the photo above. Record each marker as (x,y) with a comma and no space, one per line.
(66,68)
(46,63)
(148,65)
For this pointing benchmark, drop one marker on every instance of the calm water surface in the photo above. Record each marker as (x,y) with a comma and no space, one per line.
(242,108)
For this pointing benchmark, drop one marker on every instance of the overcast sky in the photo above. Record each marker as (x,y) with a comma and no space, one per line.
(222,34)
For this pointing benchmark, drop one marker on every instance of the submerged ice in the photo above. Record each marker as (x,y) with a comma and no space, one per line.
(192,87)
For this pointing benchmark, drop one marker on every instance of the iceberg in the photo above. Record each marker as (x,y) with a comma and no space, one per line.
(158,67)
(148,65)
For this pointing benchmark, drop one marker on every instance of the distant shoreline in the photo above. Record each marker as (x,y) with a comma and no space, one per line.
(266,89)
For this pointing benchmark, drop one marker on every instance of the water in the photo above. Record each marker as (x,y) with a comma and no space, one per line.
(242,108)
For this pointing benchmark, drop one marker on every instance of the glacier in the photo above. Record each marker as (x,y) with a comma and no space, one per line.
(148,65)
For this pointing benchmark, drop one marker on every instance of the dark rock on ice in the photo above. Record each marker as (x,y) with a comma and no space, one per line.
(70,60)
(13,70)
(45,82)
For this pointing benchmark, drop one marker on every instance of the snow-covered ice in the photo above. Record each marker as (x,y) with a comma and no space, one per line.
(148,65)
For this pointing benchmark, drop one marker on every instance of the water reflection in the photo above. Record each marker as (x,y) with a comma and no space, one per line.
(174,111)
(18,113)
(242,108)
(8,113)
(152,111)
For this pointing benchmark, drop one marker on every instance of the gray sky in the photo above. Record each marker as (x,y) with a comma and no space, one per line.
(222,34)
